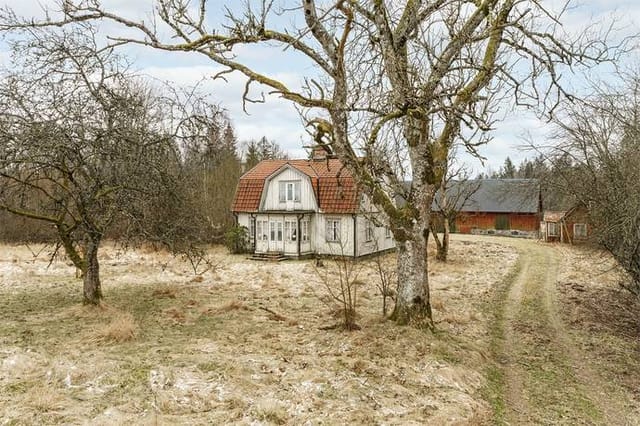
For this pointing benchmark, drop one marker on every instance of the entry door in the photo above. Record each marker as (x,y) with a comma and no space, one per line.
(275,235)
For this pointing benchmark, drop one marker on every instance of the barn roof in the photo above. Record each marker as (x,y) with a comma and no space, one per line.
(333,185)
(494,196)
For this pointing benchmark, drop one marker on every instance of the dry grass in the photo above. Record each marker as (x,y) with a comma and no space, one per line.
(167,292)
(44,398)
(219,358)
(122,328)
(234,305)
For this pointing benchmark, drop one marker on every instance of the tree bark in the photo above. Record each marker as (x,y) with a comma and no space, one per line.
(412,300)
(443,249)
(92,290)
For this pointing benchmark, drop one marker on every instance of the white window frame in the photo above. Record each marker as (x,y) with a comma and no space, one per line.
(291,230)
(333,228)
(262,227)
(252,229)
(387,232)
(583,227)
(552,229)
(304,232)
(289,190)
(369,231)
(276,231)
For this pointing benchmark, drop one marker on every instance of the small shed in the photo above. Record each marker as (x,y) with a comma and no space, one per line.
(571,226)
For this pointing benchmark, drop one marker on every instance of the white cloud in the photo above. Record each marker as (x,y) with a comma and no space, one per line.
(275,118)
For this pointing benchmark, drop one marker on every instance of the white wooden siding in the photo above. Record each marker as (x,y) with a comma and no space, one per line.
(271,199)
(338,248)
(378,242)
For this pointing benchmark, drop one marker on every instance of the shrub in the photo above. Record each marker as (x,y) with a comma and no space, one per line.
(237,240)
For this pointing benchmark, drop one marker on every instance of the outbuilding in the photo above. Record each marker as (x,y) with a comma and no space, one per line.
(570,226)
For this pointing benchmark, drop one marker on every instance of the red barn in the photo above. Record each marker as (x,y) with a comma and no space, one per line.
(496,206)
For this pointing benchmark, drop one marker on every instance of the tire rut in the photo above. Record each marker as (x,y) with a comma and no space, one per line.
(543,384)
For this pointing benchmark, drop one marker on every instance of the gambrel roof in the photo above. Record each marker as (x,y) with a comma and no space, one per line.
(333,185)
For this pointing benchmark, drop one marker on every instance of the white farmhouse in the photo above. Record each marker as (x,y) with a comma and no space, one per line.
(299,208)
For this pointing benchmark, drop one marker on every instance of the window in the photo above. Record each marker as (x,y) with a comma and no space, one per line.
(387,232)
(291,230)
(333,230)
(289,191)
(368,231)
(276,231)
(304,225)
(252,229)
(262,230)
(580,230)
(552,229)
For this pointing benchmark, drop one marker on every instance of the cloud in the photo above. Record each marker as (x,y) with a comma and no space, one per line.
(276,118)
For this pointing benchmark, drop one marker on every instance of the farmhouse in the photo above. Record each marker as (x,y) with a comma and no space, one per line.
(494,206)
(571,226)
(298,208)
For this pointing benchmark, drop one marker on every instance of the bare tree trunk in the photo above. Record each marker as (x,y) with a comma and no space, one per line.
(70,248)
(443,250)
(412,300)
(92,290)
(434,232)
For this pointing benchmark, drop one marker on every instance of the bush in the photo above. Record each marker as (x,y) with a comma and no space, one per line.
(237,240)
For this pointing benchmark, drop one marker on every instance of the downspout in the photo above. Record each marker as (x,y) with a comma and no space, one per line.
(355,233)
(298,232)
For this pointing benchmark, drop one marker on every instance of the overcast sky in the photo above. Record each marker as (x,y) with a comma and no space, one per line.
(279,121)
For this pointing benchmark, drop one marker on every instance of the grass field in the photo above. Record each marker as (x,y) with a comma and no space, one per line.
(243,342)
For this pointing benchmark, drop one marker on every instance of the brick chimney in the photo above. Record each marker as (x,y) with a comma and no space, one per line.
(321,152)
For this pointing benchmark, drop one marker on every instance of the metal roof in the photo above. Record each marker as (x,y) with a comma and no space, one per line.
(494,196)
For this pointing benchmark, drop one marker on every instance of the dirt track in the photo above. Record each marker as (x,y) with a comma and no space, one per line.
(548,377)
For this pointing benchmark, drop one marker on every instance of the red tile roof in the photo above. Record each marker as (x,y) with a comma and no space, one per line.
(333,185)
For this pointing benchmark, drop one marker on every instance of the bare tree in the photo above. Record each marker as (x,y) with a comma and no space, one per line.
(396,81)
(598,147)
(454,192)
(340,280)
(85,146)
(385,281)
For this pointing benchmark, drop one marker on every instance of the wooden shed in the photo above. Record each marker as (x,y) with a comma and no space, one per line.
(571,226)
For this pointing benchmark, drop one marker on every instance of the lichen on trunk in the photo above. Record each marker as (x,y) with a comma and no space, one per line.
(413,305)
(92,290)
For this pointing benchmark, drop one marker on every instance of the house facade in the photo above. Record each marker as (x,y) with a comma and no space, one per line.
(307,207)
(571,226)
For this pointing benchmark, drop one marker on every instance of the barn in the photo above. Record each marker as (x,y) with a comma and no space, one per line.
(494,206)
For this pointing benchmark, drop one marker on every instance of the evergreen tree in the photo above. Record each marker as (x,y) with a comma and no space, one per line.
(508,170)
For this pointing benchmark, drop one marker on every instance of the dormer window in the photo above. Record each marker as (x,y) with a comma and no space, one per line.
(289,191)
